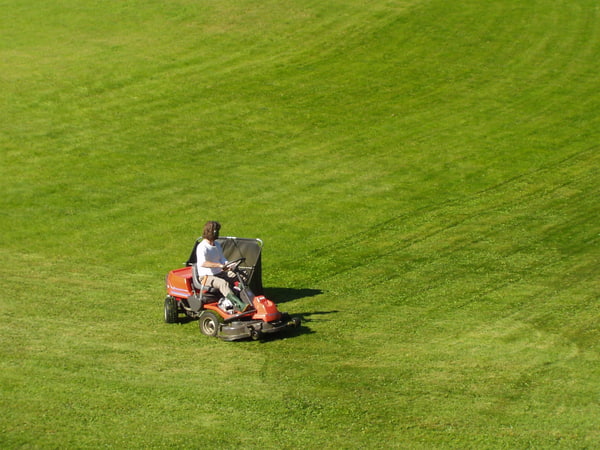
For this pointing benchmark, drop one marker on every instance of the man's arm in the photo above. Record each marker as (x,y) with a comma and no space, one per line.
(212,265)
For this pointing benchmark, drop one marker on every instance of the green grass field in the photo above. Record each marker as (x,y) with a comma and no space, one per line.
(425,176)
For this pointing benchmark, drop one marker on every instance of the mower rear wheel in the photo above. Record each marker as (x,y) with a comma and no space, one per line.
(209,322)
(171,310)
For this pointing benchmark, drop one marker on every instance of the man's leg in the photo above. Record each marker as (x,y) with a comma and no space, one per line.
(220,284)
(223,285)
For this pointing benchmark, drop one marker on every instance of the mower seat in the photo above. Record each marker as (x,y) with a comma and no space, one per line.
(201,288)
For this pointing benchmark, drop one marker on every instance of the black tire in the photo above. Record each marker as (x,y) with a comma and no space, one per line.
(171,310)
(209,323)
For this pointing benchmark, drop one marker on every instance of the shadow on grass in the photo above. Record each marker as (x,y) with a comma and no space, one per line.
(303,329)
(307,317)
(182,320)
(282,295)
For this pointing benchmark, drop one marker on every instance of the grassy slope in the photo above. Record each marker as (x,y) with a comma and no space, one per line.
(424,174)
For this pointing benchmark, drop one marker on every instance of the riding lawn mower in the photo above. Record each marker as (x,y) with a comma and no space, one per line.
(251,316)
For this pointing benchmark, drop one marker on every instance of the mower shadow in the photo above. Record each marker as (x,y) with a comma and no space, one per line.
(282,295)
(302,330)
(185,319)
(306,316)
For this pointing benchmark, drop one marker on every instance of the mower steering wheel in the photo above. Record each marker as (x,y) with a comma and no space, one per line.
(233,265)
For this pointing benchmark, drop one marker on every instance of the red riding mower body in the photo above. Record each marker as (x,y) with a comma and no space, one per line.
(253,317)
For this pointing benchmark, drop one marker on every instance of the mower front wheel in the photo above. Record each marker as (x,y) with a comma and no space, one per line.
(209,323)
(171,310)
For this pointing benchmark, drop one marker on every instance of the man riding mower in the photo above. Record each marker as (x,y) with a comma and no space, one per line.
(231,315)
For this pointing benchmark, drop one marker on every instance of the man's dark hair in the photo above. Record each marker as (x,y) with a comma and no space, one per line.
(211,230)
